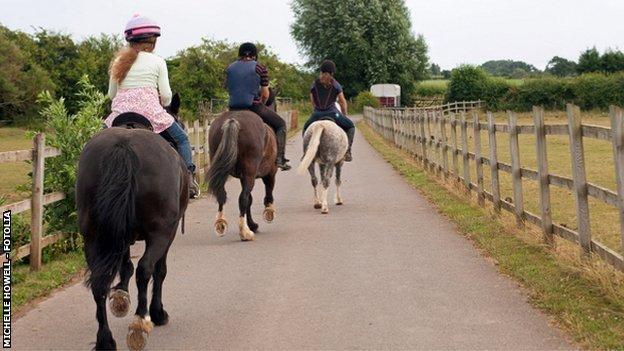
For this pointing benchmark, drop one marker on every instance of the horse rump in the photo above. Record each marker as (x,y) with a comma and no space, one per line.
(112,215)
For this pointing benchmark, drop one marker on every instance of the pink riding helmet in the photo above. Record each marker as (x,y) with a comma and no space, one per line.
(141,27)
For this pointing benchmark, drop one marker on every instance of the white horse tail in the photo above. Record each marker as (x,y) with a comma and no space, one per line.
(310,154)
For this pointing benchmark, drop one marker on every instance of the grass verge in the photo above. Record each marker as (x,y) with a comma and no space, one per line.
(29,286)
(580,304)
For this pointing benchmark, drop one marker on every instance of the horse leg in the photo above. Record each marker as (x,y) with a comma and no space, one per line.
(312,171)
(157,313)
(244,201)
(338,183)
(105,339)
(155,249)
(269,210)
(220,222)
(326,173)
(119,297)
(250,222)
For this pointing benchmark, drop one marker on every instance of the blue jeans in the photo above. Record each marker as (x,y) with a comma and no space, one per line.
(184,147)
(341,120)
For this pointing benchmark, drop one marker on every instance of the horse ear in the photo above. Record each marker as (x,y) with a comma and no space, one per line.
(175,104)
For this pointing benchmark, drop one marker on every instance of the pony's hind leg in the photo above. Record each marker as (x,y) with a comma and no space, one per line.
(156,310)
(250,222)
(119,296)
(244,203)
(220,222)
(338,183)
(155,249)
(317,201)
(326,173)
(269,210)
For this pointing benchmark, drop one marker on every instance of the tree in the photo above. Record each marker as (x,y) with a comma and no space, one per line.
(370,42)
(94,57)
(589,61)
(612,61)
(435,70)
(467,83)
(561,67)
(508,68)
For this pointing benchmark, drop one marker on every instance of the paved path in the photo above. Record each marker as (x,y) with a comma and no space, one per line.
(384,271)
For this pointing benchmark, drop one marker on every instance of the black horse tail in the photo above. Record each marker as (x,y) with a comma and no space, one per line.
(224,160)
(113,215)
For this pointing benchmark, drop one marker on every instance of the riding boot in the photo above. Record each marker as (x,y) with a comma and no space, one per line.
(281,149)
(350,135)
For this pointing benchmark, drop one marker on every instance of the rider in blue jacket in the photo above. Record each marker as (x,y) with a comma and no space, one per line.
(248,86)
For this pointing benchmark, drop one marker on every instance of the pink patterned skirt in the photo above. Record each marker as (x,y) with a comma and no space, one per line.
(144,101)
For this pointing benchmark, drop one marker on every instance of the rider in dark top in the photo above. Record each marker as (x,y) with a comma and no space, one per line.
(248,86)
(324,92)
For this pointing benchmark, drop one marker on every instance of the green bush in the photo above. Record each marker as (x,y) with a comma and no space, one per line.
(597,90)
(365,98)
(548,92)
(498,93)
(68,133)
(467,83)
(430,88)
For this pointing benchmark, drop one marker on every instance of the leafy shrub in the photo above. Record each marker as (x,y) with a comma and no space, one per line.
(596,90)
(498,93)
(365,98)
(430,88)
(549,92)
(68,133)
(467,83)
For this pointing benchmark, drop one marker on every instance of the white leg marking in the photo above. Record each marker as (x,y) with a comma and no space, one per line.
(324,206)
(220,224)
(245,233)
(338,197)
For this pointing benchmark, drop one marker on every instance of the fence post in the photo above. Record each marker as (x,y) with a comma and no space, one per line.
(579,178)
(478,159)
(423,139)
(466,164)
(444,144)
(206,145)
(36,202)
(516,173)
(493,163)
(196,142)
(454,151)
(542,173)
(617,127)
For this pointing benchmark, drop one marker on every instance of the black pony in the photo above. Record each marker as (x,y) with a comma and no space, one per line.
(131,185)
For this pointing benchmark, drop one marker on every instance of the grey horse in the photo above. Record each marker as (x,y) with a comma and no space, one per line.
(325,143)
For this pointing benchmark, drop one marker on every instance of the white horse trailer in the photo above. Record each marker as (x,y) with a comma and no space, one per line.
(389,95)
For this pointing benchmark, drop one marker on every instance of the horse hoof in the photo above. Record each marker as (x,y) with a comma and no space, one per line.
(325,211)
(220,226)
(245,236)
(159,317)
(339,203)
(268,214)
(138,332)
(119,303)
(317,206)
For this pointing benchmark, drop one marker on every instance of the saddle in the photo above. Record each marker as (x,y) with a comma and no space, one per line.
(133,120)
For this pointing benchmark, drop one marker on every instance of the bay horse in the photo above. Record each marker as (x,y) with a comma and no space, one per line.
(325,143)
(241,146)
(131,185)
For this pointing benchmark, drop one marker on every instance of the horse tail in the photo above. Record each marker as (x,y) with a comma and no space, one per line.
(113,215)
(224,159)
(313,145)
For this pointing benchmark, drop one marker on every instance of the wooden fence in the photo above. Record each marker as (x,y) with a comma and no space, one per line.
(35,203)
(422,132)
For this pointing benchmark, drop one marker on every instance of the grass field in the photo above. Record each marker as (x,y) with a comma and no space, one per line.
(16,173)
(586,301)
(599,168)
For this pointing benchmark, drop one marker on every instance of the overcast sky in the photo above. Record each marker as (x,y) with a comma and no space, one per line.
(466,31)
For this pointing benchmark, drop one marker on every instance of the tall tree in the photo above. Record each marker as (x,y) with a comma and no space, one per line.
(508,68)
(435,70)
(371,42)
(589,61)
(612,61)
(561,67)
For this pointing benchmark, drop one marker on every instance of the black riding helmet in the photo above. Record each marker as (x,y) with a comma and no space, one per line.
(328,66)
(247,50)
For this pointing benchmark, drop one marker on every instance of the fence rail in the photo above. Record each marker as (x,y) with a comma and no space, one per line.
(36,202)
(422,132)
